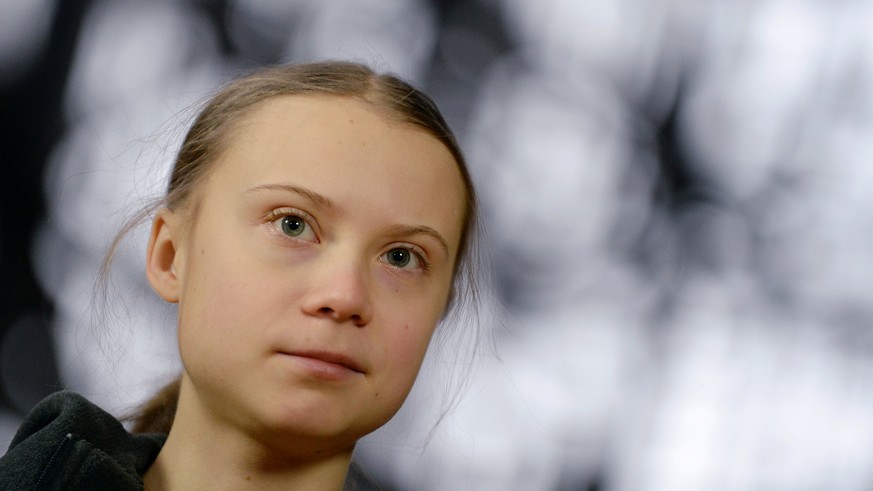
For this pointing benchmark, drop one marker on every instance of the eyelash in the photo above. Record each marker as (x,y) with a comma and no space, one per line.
(278,213)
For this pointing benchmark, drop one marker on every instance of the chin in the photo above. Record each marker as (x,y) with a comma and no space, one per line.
(335,429)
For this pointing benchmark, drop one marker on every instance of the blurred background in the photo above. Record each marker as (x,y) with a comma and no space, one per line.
(677,196)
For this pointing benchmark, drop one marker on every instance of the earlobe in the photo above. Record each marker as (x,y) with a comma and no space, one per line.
(161,256)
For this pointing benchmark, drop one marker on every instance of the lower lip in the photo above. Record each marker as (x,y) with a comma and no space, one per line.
(323,370)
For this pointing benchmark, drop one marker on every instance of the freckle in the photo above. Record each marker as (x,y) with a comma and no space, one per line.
(202,251)
(248,478)
(406,327)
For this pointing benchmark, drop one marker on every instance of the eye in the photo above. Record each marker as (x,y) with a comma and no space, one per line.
(404,258)
(292,224)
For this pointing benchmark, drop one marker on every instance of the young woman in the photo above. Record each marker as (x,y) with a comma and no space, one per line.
(315,224)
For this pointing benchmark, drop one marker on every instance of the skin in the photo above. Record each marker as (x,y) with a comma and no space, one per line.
(296,339)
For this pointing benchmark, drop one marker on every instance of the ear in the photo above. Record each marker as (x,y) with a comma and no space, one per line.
(162,255)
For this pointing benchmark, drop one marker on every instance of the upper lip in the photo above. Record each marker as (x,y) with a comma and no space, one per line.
(329,357)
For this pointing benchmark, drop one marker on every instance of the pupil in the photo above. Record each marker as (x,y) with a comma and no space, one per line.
(292,225)
(398,257)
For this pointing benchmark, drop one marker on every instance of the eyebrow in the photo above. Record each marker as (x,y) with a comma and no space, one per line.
(316,198)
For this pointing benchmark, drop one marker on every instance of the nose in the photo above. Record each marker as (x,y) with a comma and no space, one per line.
(340,291)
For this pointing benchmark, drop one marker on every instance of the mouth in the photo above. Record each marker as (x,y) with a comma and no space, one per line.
(325,364)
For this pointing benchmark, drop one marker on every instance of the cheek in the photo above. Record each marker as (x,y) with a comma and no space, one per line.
(207,321)
(219,301)
(405,346)
(417,321)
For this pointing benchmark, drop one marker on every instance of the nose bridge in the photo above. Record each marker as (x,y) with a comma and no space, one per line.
(340,287)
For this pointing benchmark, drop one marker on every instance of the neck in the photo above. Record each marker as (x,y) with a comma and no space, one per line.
(203,453)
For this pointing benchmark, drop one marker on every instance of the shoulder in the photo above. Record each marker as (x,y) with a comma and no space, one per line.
(61,410)
(66,439)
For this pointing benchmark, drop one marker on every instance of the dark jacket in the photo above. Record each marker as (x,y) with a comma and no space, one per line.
(68,443)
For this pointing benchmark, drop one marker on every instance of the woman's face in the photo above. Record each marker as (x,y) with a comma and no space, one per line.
(315,268)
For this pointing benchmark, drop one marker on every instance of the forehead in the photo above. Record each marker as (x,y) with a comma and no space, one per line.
(355,154)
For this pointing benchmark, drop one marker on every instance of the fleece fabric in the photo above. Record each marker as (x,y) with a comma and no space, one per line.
(66,442)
